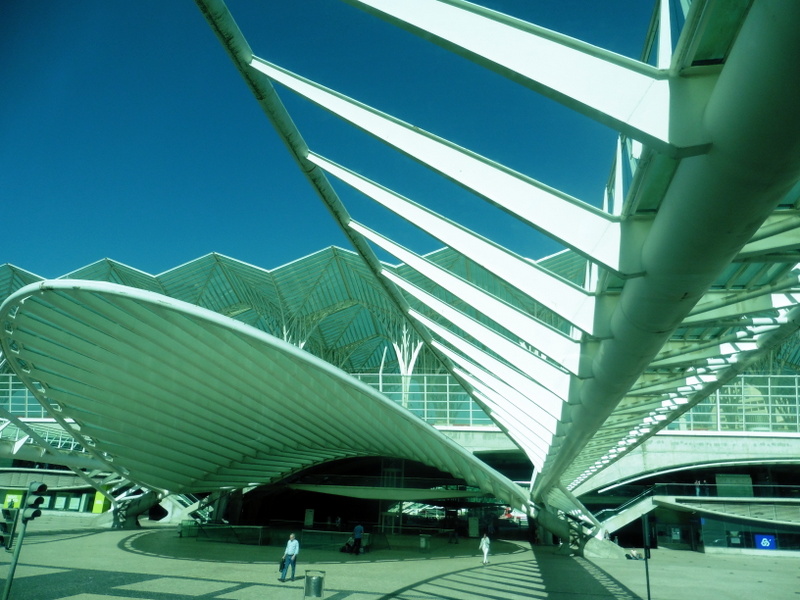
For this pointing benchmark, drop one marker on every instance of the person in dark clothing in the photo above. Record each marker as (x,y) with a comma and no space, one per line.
(358,533)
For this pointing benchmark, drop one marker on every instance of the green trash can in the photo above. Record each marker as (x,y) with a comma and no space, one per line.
(315,583)
(424,542)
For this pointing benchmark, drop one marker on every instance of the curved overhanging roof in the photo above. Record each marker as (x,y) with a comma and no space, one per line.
(179,398)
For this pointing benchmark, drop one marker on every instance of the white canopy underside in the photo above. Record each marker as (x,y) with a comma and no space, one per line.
(180,398)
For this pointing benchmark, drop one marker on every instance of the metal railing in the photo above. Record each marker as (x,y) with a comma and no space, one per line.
(750,493)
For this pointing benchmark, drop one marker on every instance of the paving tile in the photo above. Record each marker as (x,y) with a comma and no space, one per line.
(177,585)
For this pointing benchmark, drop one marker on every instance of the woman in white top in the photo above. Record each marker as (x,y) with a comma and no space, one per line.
(484,545)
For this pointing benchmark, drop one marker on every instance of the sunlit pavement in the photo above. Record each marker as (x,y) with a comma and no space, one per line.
(156,564)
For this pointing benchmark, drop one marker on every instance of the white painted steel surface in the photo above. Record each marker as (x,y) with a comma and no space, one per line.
(182,399)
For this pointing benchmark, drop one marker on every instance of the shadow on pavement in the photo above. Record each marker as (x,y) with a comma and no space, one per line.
(577,577)
(518,580)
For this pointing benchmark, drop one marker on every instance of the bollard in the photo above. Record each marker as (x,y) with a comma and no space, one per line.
(315,581)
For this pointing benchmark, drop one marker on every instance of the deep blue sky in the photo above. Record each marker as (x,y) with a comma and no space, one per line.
(126,132)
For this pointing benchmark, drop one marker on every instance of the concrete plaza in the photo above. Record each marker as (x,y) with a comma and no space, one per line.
(154,563)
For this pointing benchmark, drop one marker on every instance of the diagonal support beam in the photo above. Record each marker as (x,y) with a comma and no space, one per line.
(580,226)
(539,398)
(627,95)
(544,373)
(545,339)
(560,296)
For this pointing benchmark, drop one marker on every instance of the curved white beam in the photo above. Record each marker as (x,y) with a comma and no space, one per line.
(752,118)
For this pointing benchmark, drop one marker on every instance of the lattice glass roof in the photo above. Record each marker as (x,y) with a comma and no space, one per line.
(327,302)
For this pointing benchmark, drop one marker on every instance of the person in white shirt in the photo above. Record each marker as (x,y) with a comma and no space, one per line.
(290,556)
(484,545)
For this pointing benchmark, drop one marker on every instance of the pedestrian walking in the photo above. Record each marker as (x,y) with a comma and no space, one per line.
(290,557)
(484,547)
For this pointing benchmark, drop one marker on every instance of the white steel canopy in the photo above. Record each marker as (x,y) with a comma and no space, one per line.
(182,399)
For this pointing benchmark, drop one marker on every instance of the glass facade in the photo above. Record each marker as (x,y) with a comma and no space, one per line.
(764,537)
(17,399)
(435,398)
(751,403)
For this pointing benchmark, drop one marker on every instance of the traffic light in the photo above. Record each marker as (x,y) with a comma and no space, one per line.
(33,499)
(8,523)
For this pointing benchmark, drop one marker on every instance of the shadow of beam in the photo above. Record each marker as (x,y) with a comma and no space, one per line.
(546,575)
(575,575)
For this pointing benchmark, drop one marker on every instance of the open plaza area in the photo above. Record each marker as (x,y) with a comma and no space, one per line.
(154,563)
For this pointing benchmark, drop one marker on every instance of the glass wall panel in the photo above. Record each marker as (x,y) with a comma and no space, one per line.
(749,404)
(436,398)
(17,399)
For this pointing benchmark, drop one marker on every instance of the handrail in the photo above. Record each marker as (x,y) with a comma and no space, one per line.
(701,490)
(627,504)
